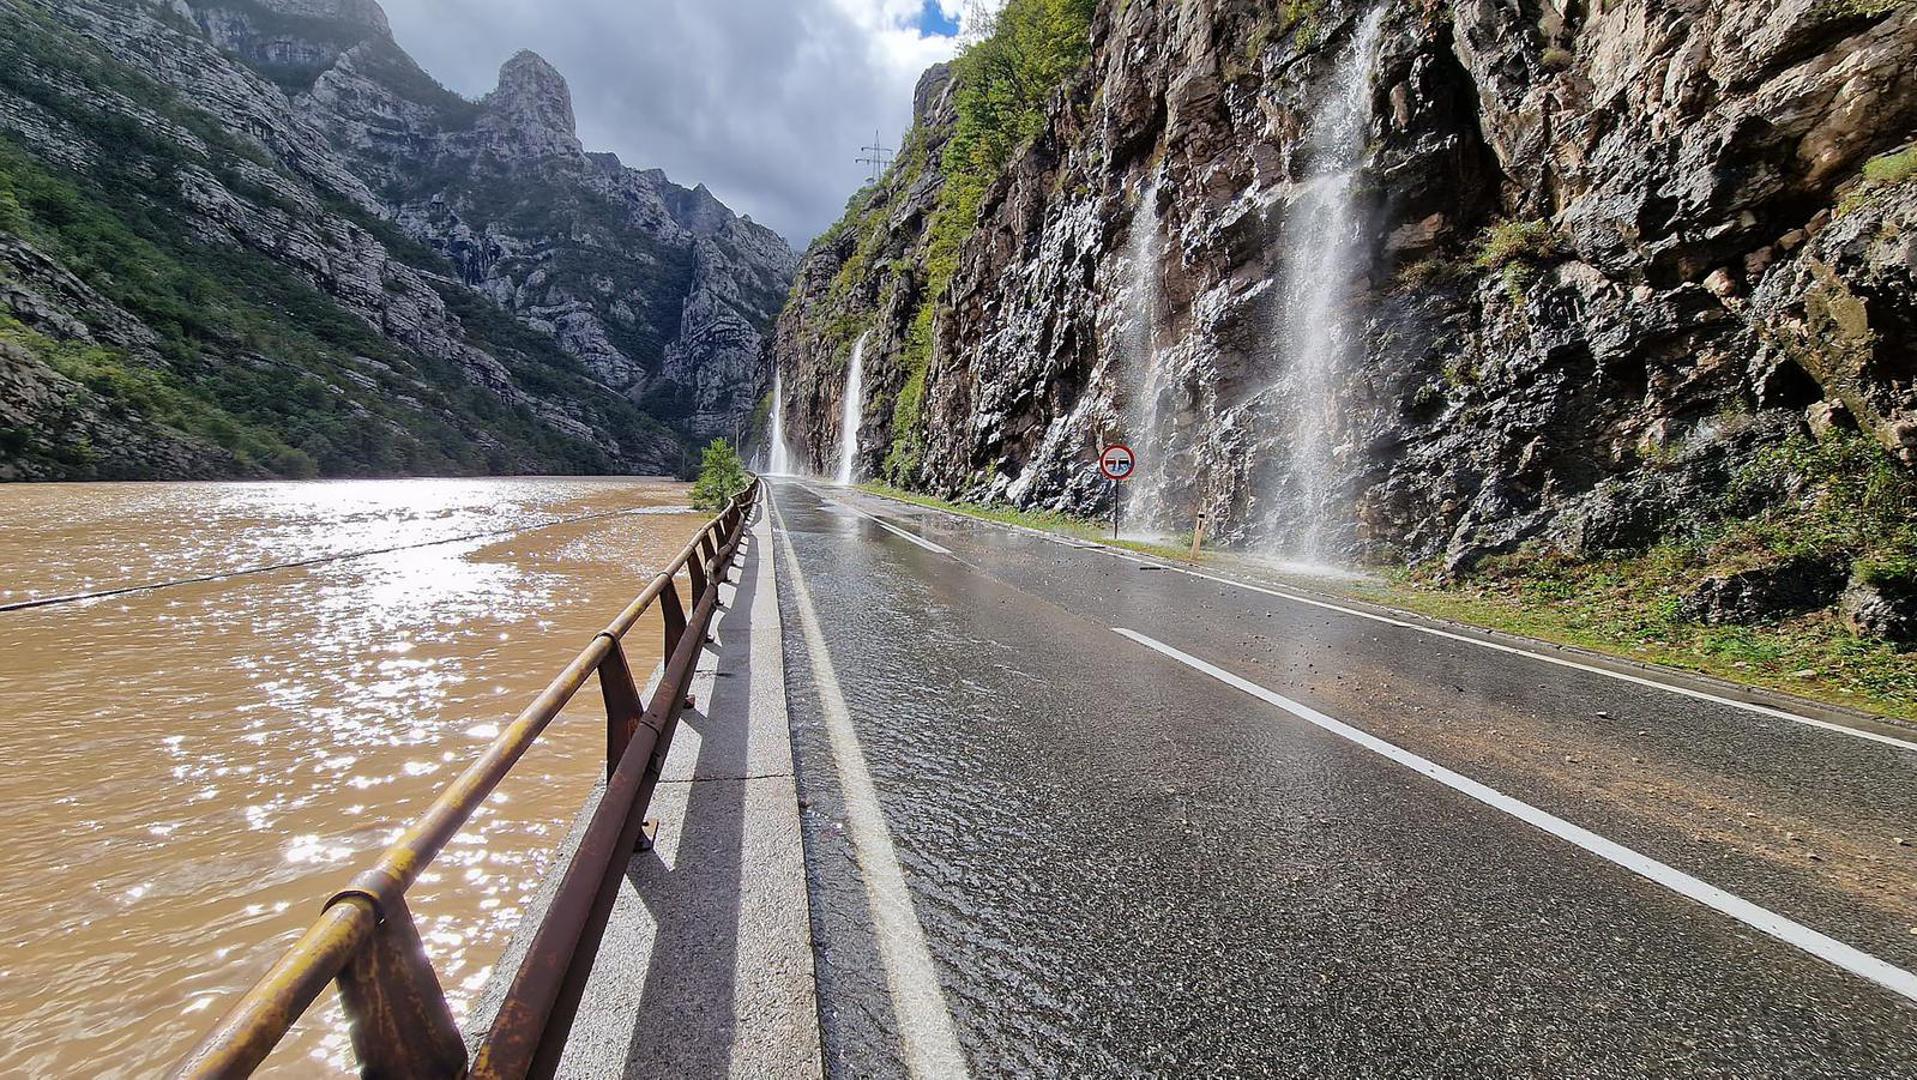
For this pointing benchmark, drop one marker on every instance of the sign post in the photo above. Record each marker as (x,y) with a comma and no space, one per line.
(1117,463)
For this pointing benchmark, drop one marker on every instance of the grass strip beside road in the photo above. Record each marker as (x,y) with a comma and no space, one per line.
(1075,528)
(1610,607)
(1606,609)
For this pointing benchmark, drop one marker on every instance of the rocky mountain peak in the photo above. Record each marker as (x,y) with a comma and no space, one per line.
(929,92)
(698,209)
(356,12)
(530,112)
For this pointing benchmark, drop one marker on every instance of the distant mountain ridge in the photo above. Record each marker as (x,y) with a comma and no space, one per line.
(392,278)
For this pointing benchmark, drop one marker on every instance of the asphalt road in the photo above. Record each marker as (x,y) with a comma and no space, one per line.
(1259,837)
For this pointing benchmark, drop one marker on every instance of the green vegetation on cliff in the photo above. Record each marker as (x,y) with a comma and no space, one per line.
(1836,505)
(257,359)
(1002,86)
(251,355)
(132,388)
(898,242)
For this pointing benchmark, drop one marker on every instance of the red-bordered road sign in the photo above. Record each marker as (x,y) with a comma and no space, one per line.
(1117,461)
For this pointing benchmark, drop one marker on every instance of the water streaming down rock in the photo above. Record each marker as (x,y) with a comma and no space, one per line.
(852,412)
(778,457)
(1323,253)
(1147,515)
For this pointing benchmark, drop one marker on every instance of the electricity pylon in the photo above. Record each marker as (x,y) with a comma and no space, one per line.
(877,157)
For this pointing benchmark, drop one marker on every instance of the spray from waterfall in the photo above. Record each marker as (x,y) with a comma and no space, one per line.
(779,459)
(1323,258)
(1144,363)
(852,412)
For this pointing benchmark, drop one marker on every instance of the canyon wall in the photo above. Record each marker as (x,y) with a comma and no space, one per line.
(252,237)
(1601,262)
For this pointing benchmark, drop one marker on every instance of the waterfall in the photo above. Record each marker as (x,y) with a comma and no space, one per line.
(1143,362)
(779,459)
(1323,256)
(852,412)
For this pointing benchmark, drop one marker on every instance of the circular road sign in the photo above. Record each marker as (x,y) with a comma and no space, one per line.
(1117,461)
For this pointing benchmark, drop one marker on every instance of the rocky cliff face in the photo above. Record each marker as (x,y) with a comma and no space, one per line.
(340,266)
(662,291)
(1574,272)
(868,275)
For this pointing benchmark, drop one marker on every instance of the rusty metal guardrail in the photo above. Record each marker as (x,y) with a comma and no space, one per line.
(365,939)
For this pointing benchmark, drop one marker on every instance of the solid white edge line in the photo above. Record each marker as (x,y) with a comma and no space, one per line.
(1701,695)
(1828,949)
(1592,669)
(926,1034)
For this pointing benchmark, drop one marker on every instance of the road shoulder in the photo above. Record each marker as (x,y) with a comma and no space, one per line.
(706,967)
(1761,699)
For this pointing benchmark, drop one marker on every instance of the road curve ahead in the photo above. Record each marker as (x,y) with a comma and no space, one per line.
(1074,814)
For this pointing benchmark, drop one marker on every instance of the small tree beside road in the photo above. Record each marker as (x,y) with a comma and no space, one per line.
(721,476)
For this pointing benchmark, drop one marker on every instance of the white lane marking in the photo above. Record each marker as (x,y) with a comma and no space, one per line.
(1853,960)
(925,1024)
(1639,680)
(1701,695)
(889,527)
(896,531)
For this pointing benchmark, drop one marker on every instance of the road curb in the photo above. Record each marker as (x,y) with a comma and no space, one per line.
(706,967)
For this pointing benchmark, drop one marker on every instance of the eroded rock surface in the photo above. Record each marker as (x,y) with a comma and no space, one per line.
(1611,255)
(631,311)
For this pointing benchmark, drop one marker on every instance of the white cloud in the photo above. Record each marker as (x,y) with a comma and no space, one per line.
(767,102)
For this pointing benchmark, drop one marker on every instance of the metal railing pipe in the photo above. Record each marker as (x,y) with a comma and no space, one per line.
(255,1024)
(402,862)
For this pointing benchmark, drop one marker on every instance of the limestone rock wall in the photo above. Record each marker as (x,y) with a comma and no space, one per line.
(306,136)
(1609,254)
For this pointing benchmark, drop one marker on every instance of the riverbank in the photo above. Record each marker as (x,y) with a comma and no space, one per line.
(1623,607)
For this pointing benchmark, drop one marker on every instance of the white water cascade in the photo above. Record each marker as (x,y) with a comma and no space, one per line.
(852,412)
(1144,362)
(779,458)
(1323,257)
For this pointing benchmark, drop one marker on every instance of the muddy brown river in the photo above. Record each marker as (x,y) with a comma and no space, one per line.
(191,770)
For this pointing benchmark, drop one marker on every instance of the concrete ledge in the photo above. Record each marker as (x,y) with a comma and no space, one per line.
(706,966)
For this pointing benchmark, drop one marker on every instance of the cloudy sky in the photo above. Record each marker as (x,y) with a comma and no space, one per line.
(765,101)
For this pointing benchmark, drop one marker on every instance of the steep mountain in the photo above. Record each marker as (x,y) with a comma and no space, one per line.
(249,237)
(1408,282)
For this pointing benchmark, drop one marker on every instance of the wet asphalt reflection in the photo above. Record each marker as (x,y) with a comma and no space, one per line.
(1123,867)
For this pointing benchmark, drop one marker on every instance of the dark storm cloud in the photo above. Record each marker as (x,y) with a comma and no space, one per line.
(767,102)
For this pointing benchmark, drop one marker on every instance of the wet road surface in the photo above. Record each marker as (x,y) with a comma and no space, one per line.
(1120,863)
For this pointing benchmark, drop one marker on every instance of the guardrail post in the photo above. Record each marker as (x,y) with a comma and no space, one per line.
(709,550)
(674,614)
(696,568)
(402,1028)
(623,707)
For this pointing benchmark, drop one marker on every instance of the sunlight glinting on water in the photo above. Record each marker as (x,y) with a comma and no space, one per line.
(208,762)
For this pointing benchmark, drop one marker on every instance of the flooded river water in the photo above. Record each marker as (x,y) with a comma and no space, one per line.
(191,770)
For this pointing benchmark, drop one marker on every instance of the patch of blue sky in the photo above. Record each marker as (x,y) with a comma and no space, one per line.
(933,21)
